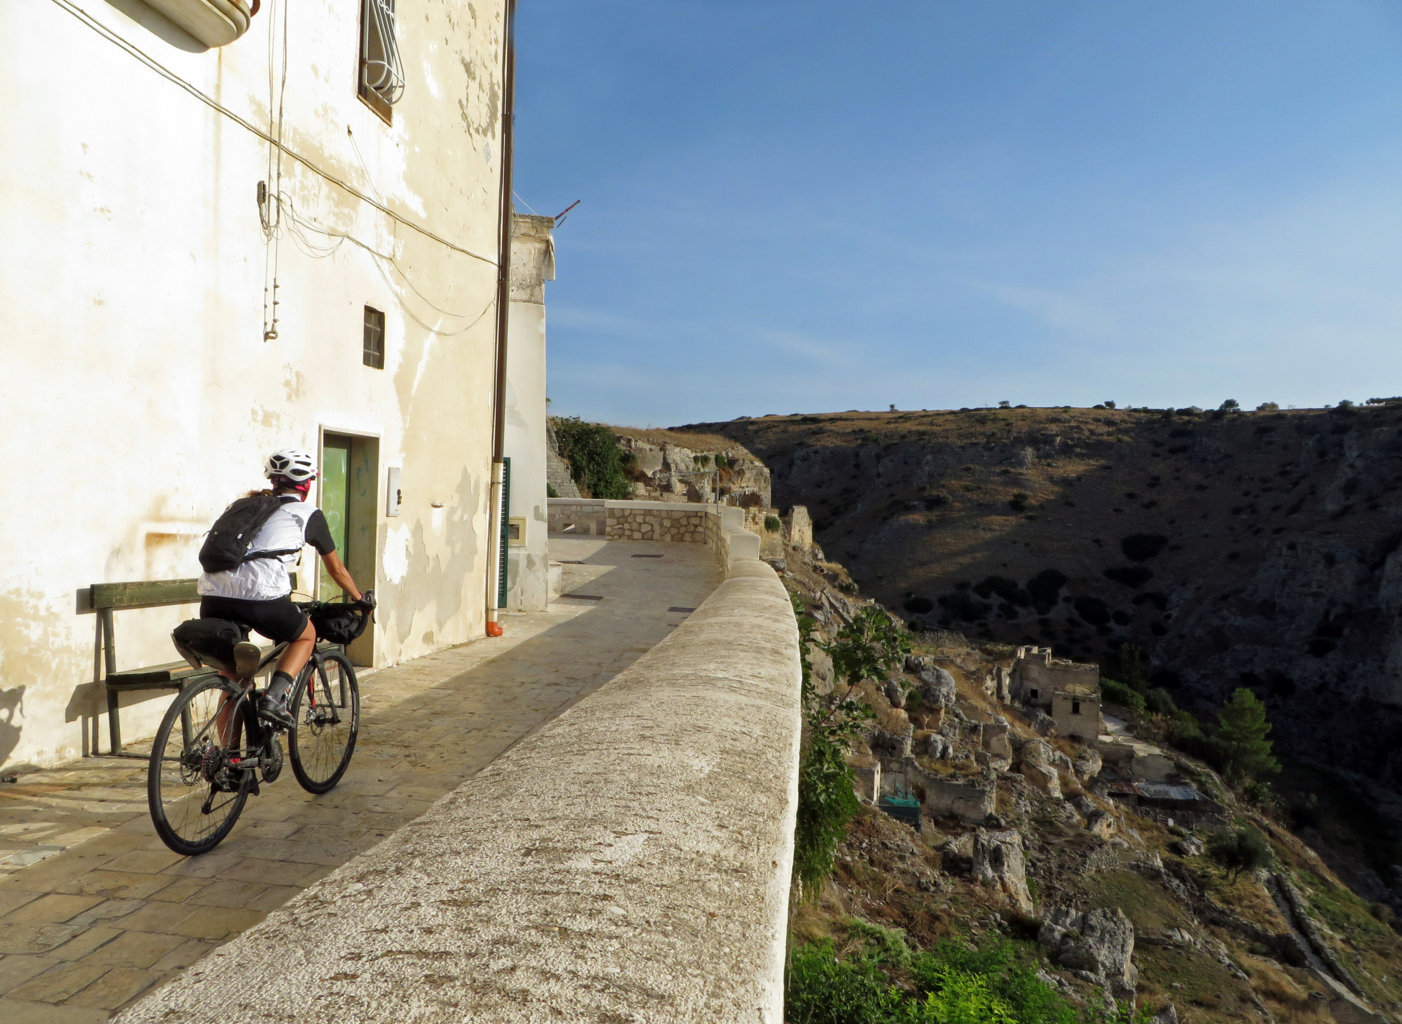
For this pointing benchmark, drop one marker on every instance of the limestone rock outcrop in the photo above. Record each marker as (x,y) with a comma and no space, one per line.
(1098,941)
(665,471)
(1038,767)
(936,686)
(890,735)
(999,862)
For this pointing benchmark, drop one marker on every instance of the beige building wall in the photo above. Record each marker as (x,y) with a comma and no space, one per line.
(528,555)
(140,379)
(1077,714)
(1037,675)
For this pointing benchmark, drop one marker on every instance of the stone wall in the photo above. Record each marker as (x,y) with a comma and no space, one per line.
(1036,670)
(1077,714)
(800,528)
(972,799)
(771,542)
(646,521)
(720,527)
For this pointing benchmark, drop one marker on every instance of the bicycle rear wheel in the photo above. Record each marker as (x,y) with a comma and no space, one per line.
(326,709)
(193,785)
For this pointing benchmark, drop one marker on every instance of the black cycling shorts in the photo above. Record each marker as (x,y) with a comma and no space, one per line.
(279,619)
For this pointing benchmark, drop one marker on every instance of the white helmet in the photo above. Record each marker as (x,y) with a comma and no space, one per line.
(292,463)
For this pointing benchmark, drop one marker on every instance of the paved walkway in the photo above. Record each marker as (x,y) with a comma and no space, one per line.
(95,911)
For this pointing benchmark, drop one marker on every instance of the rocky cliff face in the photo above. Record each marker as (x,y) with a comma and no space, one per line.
(1028,833)
(1258,549)
(698,469)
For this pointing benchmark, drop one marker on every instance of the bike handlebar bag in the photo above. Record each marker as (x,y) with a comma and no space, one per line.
(339,623)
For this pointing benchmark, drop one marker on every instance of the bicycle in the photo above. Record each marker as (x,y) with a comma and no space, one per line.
(212,748)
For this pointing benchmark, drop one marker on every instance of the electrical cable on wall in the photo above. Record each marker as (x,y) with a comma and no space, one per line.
(134,51)
(296,226)
(270,213)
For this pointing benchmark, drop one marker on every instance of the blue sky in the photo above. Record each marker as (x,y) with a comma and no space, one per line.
(819,206)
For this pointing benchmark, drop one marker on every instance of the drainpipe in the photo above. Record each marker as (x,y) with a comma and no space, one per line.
(494,524)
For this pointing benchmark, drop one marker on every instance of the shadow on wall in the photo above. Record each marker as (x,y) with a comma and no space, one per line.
(11,707)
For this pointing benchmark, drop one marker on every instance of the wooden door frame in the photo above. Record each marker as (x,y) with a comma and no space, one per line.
(363,513)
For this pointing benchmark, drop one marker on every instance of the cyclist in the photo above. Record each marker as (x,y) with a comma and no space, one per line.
(258,593)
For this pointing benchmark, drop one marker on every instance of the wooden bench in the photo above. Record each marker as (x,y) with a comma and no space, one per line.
(105,599)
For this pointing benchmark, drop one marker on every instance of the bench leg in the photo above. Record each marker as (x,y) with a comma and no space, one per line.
(114,725)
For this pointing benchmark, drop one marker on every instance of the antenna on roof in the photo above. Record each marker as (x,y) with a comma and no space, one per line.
(560,217)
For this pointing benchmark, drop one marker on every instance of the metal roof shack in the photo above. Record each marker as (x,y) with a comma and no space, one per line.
(1178,795)
(1171,795)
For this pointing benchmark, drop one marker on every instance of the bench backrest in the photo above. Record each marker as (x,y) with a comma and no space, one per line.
(143,594)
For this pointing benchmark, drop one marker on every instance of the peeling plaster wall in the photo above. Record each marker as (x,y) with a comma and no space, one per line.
(140,395)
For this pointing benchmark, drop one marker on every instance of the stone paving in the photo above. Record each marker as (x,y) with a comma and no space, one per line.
(95,911)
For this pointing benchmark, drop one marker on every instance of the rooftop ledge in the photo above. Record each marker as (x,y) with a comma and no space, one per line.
(212,22)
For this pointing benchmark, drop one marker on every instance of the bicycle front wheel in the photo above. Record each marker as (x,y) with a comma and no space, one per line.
(194,786)
(326,711)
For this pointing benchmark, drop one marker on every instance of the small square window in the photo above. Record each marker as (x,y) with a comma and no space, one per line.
(374,350)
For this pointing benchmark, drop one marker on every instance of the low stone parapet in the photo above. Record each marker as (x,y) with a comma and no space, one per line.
(720,527)
(629,861)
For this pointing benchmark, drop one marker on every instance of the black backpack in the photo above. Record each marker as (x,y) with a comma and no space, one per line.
(231,537)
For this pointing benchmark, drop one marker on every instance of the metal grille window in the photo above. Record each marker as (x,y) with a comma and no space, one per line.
(381,71)
(374,351)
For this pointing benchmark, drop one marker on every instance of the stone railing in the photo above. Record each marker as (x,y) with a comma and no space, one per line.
(628,861)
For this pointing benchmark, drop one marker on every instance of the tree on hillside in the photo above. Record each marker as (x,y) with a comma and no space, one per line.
(868,647)
(596,461)
(1230,405)
(1243,749)
(1241,849)
(1127,665)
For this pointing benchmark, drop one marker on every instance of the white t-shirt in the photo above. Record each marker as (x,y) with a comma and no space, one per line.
(290,529)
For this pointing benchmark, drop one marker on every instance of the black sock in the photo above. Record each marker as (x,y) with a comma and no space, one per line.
(281,683)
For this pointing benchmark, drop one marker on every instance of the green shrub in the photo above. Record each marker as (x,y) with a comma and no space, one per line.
(1045,589)
(827,802)
(595,459)
(1115,692)
(1161,702)
(1092,610)
(1020,502)
(866,648)
(773,524)
(881,980)
(1130,575)
(1004,588)
(1239,850)
(1140,547)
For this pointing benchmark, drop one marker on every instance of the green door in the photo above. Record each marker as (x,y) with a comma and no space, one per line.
(334,499)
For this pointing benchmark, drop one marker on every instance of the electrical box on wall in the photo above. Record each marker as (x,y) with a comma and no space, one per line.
(516,531)
(392,493)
